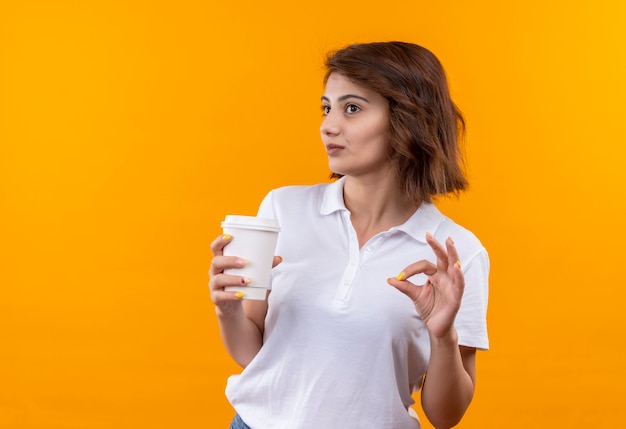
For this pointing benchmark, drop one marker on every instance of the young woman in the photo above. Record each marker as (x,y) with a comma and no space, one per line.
(377,293)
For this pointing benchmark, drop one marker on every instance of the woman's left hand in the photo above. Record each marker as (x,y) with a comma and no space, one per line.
(438,300)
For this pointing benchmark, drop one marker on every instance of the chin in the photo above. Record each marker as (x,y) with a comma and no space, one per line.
(338,168)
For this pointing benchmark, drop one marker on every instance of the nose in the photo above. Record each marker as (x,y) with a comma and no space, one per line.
(330,125)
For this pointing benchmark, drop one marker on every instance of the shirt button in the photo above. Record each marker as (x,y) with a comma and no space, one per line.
(353,263)
(369,248)
(347,283)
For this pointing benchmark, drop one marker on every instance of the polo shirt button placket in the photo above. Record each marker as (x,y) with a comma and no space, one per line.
(353,263)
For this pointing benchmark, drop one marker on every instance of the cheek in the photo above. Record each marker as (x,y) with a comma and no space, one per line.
(377,134)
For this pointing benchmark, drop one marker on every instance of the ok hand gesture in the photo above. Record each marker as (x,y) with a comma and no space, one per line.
(438,300)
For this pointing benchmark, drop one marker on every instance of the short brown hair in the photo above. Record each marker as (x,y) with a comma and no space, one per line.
(425,125)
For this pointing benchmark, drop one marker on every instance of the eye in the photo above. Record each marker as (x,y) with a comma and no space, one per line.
(325,110)
(352,108)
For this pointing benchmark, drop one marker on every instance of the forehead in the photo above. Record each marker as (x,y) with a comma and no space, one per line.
(338,85)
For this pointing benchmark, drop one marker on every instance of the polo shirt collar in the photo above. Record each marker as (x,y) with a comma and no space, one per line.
(333,198)
(425,219)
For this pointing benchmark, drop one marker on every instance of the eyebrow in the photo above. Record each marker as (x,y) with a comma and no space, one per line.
(345,97)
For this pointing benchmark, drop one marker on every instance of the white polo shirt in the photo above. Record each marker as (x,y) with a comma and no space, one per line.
(342,348)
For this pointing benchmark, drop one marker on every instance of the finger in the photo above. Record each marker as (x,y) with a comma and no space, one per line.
(455,271)
(219,297)
(440,252)
(220,281)
(459,278)
(217,246)
(406,287)
(419,267)
(277,260)
(457,275)
(220,263)
(453,255)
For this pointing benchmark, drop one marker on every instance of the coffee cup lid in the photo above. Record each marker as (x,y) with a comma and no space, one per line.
(251,222)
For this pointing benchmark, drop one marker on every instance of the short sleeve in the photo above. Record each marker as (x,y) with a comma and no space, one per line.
(471,320)
(266,209)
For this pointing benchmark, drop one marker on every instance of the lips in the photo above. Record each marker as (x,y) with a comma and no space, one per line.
(333,149)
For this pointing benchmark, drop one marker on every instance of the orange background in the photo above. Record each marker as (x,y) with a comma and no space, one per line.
(128,129)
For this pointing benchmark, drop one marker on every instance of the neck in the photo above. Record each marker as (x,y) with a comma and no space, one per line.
(376,204)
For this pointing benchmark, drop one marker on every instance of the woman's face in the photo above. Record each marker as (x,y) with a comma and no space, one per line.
(355,129)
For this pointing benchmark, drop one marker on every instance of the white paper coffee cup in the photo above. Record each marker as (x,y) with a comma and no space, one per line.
(253,239)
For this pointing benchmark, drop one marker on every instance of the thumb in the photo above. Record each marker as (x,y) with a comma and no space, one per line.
(277,260)
(405,286)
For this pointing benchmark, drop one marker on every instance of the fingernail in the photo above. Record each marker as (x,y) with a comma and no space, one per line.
(245,280)
(239,295)
(240,262)
(226,237)
(401,276)
(458,264)
(451,240)
(428,234)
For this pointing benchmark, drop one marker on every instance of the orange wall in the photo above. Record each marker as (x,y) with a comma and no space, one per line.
(128,129)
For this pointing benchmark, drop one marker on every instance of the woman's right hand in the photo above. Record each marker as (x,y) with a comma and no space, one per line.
(226,302)
(241,326)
